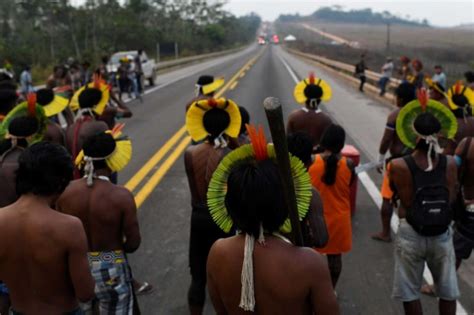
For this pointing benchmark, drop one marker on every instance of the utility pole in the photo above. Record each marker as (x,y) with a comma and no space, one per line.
(388,37)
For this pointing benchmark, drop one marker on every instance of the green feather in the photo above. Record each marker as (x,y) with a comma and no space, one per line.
(22,110)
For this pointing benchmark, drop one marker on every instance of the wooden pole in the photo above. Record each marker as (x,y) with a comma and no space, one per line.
(274,114)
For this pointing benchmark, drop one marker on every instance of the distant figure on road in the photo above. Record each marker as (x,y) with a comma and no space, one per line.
(43,253)
(387,71)
(109,215)
(439,76)
(26,82)
(405,69)
(210,123)
(418,77)
(332,175)
(310,119)
(206,87)
(404,93)
(138,68)
(437,92)
(360,68)
(59,78)
(259,270)
(426,184)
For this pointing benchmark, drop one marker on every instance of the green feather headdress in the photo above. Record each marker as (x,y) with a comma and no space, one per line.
(28,108)
(406,119)
(257,150)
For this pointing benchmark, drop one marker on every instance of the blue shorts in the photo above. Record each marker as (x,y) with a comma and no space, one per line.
(412,251)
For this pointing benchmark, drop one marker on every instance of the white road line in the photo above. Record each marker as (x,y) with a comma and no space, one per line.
(374,194)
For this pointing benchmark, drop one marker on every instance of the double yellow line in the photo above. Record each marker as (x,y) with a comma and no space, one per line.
(179,141)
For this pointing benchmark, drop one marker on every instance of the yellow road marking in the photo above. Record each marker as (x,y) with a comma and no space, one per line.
(242,75)
(154,160)
(148,188)
(156,178)
(234,85)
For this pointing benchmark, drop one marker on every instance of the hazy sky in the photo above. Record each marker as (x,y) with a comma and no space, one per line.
(442,13)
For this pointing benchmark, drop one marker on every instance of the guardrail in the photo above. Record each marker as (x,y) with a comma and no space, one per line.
(372,77)
(182,61)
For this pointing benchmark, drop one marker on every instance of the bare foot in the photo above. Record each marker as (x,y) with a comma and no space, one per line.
(381,237)
(428,289)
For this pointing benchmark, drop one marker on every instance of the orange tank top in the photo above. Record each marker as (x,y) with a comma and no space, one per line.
(336,204)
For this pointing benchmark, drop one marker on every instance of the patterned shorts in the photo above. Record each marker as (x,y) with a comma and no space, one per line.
(113,283)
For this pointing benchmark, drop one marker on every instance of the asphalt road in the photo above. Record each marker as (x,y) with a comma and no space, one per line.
(365,283)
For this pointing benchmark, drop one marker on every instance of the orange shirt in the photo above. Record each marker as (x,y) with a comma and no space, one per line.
(336,203)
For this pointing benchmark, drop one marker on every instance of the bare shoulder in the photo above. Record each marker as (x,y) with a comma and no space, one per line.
(392,117)
(397,164)
(451,163)
(122,193)
(310,260)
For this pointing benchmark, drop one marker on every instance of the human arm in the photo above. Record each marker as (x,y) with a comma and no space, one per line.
(131,229)
(387,139)
(78,263)
(452,178)
(323,299)
(121,110)
(212,265)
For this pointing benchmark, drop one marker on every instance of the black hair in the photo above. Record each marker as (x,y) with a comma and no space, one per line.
(438,67)
(426,124)
(8,100)
(313,92)
(205,79)
(301,146)
(23,126)
(99,146)
(89,98)
(255,197)
(215,121)
(245,119)
(333,139)
(44,169)
(405,92)
(44,96)
(469,75)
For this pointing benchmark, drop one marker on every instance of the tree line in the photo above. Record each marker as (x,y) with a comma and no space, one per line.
(45,32)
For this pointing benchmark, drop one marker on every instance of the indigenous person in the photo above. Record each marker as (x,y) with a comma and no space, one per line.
(59,78)
(437,91)
(26,82)
(25,124)
(310,119)
(138,68)
(440,76)
(387,71)
(425,182)
(210,122)
(123,75)
(109,216)
(243,270)
(405,70)
(313,226)
(243,134)
(360,68)
(8,97)
(463,237)
(331,174)
(390,142)
(52,105)
(418,76)
(43,253)
(205,88)
(469,75)
(461,102)
(90,102)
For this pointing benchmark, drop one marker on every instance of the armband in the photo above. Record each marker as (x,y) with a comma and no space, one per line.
(458,160)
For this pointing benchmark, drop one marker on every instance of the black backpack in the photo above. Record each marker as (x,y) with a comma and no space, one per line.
(430,213)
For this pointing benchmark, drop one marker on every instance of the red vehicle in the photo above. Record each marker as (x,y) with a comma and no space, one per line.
(275,39)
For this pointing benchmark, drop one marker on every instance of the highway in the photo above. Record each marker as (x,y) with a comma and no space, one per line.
(157,178)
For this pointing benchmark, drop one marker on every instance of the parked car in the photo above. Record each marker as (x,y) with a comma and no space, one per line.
(148,65)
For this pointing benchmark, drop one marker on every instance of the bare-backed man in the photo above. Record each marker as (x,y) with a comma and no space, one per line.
(43,253)
(109,215)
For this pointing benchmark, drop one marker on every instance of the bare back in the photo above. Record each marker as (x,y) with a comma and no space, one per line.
(42,258)
(282,286)
(390,140)
(201,161)
(78,132)
(107,212)
(467,175)
(465,129)
(54,133)
(310,122)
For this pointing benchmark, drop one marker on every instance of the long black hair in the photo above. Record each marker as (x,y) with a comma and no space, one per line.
(332,140)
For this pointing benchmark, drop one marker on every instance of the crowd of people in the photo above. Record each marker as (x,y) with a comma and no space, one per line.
(62,147)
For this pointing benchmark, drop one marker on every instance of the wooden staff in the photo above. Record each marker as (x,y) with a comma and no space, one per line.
(274,114)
